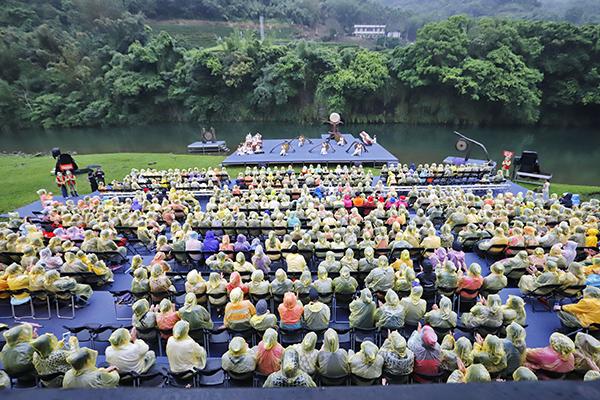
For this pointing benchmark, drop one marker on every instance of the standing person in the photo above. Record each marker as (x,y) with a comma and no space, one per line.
(64,161)
(61,182)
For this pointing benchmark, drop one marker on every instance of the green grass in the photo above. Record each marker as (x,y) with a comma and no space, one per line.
(24,175)
(585,192)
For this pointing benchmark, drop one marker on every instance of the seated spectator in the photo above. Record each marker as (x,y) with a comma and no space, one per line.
(398,360)
(290,374)
(238,359)
(127,354)
(166,318)
(143,319)
(423,343)
(268,353)
(558,357)
(238,311)
(316,314)
(332,362)
(367,364)
(391,314)
(295,262)
(183,353)
(50,358)
(85,375)
(307,353)
(441,317)
(290,312)
(263,319)
(583,313)
(414,306)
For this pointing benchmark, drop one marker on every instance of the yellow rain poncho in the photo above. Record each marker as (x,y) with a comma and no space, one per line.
(196,315)
(491,354)
(183,352)
(414,306)
(49,358)
(17,353)
(239,359)
(127,355)
(362,311)
(397,358)
(367,363)
(391,314)
(85,375)
(443,317)
(307,353)
(290,374)
(524,374)
(345,283)
(332,362)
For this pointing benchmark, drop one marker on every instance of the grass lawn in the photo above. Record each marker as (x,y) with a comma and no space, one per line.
(24,175)
(585,192)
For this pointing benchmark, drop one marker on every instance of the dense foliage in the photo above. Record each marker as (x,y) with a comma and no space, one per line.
(90,62)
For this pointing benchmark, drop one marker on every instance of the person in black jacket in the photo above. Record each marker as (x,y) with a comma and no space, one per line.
(64,161)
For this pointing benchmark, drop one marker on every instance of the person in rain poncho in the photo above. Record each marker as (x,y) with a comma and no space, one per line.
(349,261)
(17,279)
(290,374)
(193,244)
(260,261)
(514,347)
(330,264)
(220,262)
(381,278)
(4,380)
(302,286)
(258,286)
(368,262)
(591,375)
(524,374)
(514,311)
(238,359)
(17,353)
(281,284)
(307,353)
(295,261)
(490,353)
(196,315)
(166,317)
(550,276)
(587,353)
(583,313)
(362,311)
(241,265)
(332,362)
(391,314)
(211,244)
(397,358)
(442,317)
(471,374)
(235,281)
(324,285)
(557,357)
(183,352)
(455,350)
(263,319)
(290,312)
(159,283)
(496,280)
(216,289)
(404,260)
(423,343)
(316,314)
(268,353)
(85,375)
(515,267)
(129,355)
(345,283)
(50,358)
(414,306)
(487,313)
(53,282)
(238,311)
(143,320)
(367,364)
(471,281)
(140,285)
(194,283)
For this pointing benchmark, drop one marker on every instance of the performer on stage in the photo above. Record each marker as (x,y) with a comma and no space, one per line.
(367,139)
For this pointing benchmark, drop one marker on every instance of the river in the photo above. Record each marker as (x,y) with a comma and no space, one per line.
(571,154)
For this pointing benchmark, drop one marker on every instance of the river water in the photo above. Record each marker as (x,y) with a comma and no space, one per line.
(571,154)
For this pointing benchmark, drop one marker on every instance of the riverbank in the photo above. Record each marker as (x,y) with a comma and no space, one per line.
(25,174)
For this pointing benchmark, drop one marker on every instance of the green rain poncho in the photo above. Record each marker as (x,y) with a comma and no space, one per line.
(316,316)
(550,276)
(514,310)
(323,285)
(524,374)
(49,359)
(496,280)
(487,315)
(332,362)
(381,278)
(514,347)
(491,354)
(307,353)
(362,311)
(397,358)
(129,356)
(258,286)
(290,374)
(443,317)
(330,263)
(281,284)
(462,349)
(85,375)
(196,315)
(239,359)
(54,283)
(587,352)
(220,262)
(391,314)
(367,363)
(345,283)
(142,319)
(447,276)
(17,353)
(140,284)
(414,305)
(474,373)
(183,352)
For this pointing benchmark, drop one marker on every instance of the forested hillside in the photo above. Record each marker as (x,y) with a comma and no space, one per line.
(92,62)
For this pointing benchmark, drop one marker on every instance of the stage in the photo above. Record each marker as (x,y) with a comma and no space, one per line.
(310,153)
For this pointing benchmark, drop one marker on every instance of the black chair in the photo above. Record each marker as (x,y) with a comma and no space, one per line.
(358,381)
(239,380)
(333,380)
(543,294)
(396,379)
(359,335)
(290,336)
(184,379)
(464,304)
(341,301)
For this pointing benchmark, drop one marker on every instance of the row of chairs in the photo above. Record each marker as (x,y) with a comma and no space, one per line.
(44,298)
